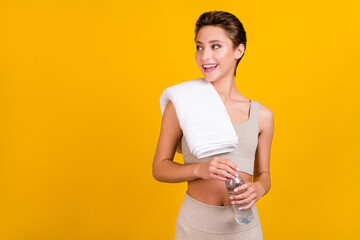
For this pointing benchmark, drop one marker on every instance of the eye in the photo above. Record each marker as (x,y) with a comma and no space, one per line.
(197,47)
(216,45)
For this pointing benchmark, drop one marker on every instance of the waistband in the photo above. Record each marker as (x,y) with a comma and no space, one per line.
(212,218)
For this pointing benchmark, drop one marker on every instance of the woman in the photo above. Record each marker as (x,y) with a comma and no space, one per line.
(206,212)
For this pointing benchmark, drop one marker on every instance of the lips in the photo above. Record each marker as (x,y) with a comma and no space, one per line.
(209,67)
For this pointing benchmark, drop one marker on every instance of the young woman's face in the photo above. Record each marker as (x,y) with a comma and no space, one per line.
(215,55)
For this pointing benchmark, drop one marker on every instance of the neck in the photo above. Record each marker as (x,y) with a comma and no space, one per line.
(226,88)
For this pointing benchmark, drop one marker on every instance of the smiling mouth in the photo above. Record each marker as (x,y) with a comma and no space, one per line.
(209,67)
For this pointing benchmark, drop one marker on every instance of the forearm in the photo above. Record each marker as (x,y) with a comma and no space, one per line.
(264,180)
(172,172)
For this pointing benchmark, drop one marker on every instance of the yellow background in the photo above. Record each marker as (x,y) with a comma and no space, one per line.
(80,83)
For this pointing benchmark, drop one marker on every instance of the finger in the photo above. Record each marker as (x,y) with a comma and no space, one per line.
(229,163)
(223,173)
(238,197)
(245,200)
(222,164)
(232,165)
(242,200)
(242,187)
(242,203)
(241,195)
(248,206)
(230,170)
(218,177)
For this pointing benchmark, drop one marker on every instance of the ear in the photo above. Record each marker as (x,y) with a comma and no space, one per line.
(239,51)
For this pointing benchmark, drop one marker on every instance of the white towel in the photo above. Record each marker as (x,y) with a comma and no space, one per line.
(202,116)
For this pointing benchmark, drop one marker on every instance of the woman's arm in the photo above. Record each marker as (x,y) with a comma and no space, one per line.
(262,156)
(166,170)
(261,178)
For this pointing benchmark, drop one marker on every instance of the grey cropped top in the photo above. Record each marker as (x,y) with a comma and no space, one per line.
(244,155)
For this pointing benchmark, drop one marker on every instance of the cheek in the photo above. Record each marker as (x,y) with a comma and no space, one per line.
(197,59)
(228,58)
(231,55)
(223,56)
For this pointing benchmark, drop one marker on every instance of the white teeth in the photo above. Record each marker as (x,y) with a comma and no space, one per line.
(208,66)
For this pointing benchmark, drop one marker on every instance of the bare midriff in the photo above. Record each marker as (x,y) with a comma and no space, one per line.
(213,191)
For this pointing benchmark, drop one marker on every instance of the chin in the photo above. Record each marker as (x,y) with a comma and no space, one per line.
(208,79)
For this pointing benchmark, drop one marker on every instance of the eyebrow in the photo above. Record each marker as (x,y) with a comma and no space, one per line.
(211,41)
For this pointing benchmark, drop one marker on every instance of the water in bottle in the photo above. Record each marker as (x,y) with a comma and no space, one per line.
(241,216)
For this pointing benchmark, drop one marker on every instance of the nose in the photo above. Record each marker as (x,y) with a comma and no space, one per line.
(206,54)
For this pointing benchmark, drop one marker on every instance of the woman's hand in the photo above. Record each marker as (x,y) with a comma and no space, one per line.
(218,168)
(249,192)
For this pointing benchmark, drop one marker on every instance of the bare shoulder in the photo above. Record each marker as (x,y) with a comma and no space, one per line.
(170,134)
(266,118)
(170,122)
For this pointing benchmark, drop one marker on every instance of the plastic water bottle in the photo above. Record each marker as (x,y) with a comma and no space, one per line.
(241,216)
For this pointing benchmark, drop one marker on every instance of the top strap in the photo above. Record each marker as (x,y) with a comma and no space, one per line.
(254,109)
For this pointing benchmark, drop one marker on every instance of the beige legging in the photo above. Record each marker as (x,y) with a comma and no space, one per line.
(197,220)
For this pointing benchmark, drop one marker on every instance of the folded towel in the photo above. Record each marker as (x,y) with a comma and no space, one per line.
(202,116)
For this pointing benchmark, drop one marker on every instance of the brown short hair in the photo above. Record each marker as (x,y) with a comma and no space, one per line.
(227,21)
